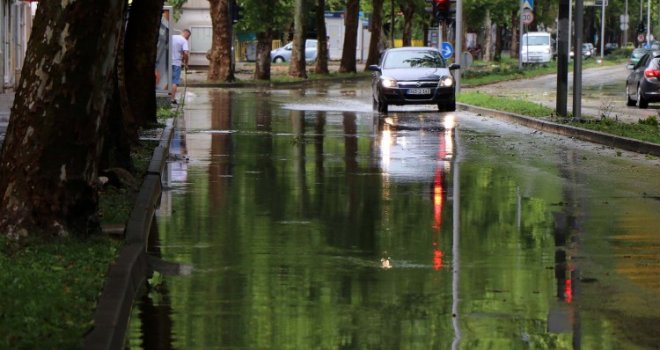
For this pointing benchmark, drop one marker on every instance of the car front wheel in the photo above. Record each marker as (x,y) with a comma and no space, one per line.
(629,101)
(278,59)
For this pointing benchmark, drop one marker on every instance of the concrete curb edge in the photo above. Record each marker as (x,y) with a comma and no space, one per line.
(609,140)
(127,275)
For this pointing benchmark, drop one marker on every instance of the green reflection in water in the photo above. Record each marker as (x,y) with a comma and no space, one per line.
(286,221)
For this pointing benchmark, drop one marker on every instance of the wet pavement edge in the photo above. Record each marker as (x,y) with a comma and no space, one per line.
(609,140)
(127,275)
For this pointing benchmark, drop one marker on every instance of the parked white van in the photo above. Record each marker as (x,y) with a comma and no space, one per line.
(536,47)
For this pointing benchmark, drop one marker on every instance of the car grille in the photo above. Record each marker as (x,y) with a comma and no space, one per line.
(420,84)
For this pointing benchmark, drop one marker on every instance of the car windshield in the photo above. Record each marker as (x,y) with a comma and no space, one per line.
(536,40)
(414,59)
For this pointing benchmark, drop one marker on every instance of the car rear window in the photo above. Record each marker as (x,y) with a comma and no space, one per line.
(414,59)
(655,63)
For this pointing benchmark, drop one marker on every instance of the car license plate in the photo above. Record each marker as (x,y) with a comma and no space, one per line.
(419,91)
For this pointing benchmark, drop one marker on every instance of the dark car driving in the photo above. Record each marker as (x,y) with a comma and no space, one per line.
(413,75)
(642,84)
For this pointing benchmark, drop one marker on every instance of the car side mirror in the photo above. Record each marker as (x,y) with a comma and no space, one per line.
(374,68)
(454,66)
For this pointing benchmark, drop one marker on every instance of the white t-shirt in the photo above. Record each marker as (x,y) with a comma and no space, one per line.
(179,45)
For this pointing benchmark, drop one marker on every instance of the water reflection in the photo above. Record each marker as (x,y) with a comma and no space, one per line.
(315,229)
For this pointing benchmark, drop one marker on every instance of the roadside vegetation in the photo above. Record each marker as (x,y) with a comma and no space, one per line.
(49,289)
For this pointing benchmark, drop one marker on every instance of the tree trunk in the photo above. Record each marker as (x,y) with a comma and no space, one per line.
(376,26)
(264,46)
(498,43)
(514,34)
(140,58)
(488,38)
(347,64)
(49,162)
(408,11)
(220,63)
(297,66)
(323,53)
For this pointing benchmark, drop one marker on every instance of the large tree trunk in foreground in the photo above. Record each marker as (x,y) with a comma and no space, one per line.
(297,67)
(220,67)
(49,162)
(140,60)
(347,64)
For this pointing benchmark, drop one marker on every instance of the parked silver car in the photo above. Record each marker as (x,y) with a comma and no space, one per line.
(283,54)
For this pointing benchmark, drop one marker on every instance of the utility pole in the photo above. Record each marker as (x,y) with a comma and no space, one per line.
(459,42)
(625,32)
(648,23)
(520,31)
(577,61)
(563,35)
(602,29)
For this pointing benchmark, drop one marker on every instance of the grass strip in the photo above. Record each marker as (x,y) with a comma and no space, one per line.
(645,130)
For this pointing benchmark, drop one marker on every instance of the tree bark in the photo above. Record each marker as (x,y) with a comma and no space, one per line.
(264,46)
(488,38)
(376,27)
(408,11)
(348,64)
(514,34)
(220,63)
(323,53)
(49,162)
(297,66)
(140,60)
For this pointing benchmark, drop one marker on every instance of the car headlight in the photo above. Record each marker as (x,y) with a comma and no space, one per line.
(446,81)
(388,82)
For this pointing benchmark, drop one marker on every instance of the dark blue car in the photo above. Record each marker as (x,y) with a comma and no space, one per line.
(413,75)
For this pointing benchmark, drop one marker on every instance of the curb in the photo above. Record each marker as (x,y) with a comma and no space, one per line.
(127,275)
(609,140)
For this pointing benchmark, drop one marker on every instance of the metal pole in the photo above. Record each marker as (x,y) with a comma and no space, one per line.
(577,67)
(459,43)
(570,23)
(602,29)
(562,57)
(3,55)
(520,32)
(625,32)
(440,27)
(392,22)
(648,23)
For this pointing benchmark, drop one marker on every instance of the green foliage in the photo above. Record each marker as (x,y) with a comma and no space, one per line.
(650,121)
(504,104)
(48,291)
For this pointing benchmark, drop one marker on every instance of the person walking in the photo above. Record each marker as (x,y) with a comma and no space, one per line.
(180,54)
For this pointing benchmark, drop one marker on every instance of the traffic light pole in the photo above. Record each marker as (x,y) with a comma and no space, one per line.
(459,43)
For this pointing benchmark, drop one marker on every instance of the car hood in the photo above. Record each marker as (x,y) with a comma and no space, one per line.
(415,73)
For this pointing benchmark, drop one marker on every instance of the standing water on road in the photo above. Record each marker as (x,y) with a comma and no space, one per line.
(308,222)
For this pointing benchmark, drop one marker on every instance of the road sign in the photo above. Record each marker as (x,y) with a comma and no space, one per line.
(528,4)
(447,50)
(640,37)
(527,16)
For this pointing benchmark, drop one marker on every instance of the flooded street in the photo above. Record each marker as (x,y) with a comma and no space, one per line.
(302,220)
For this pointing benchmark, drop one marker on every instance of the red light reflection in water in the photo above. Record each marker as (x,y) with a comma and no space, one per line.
(438,202)
(568,291)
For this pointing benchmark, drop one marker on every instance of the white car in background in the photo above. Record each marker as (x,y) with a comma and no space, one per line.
(283,54)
